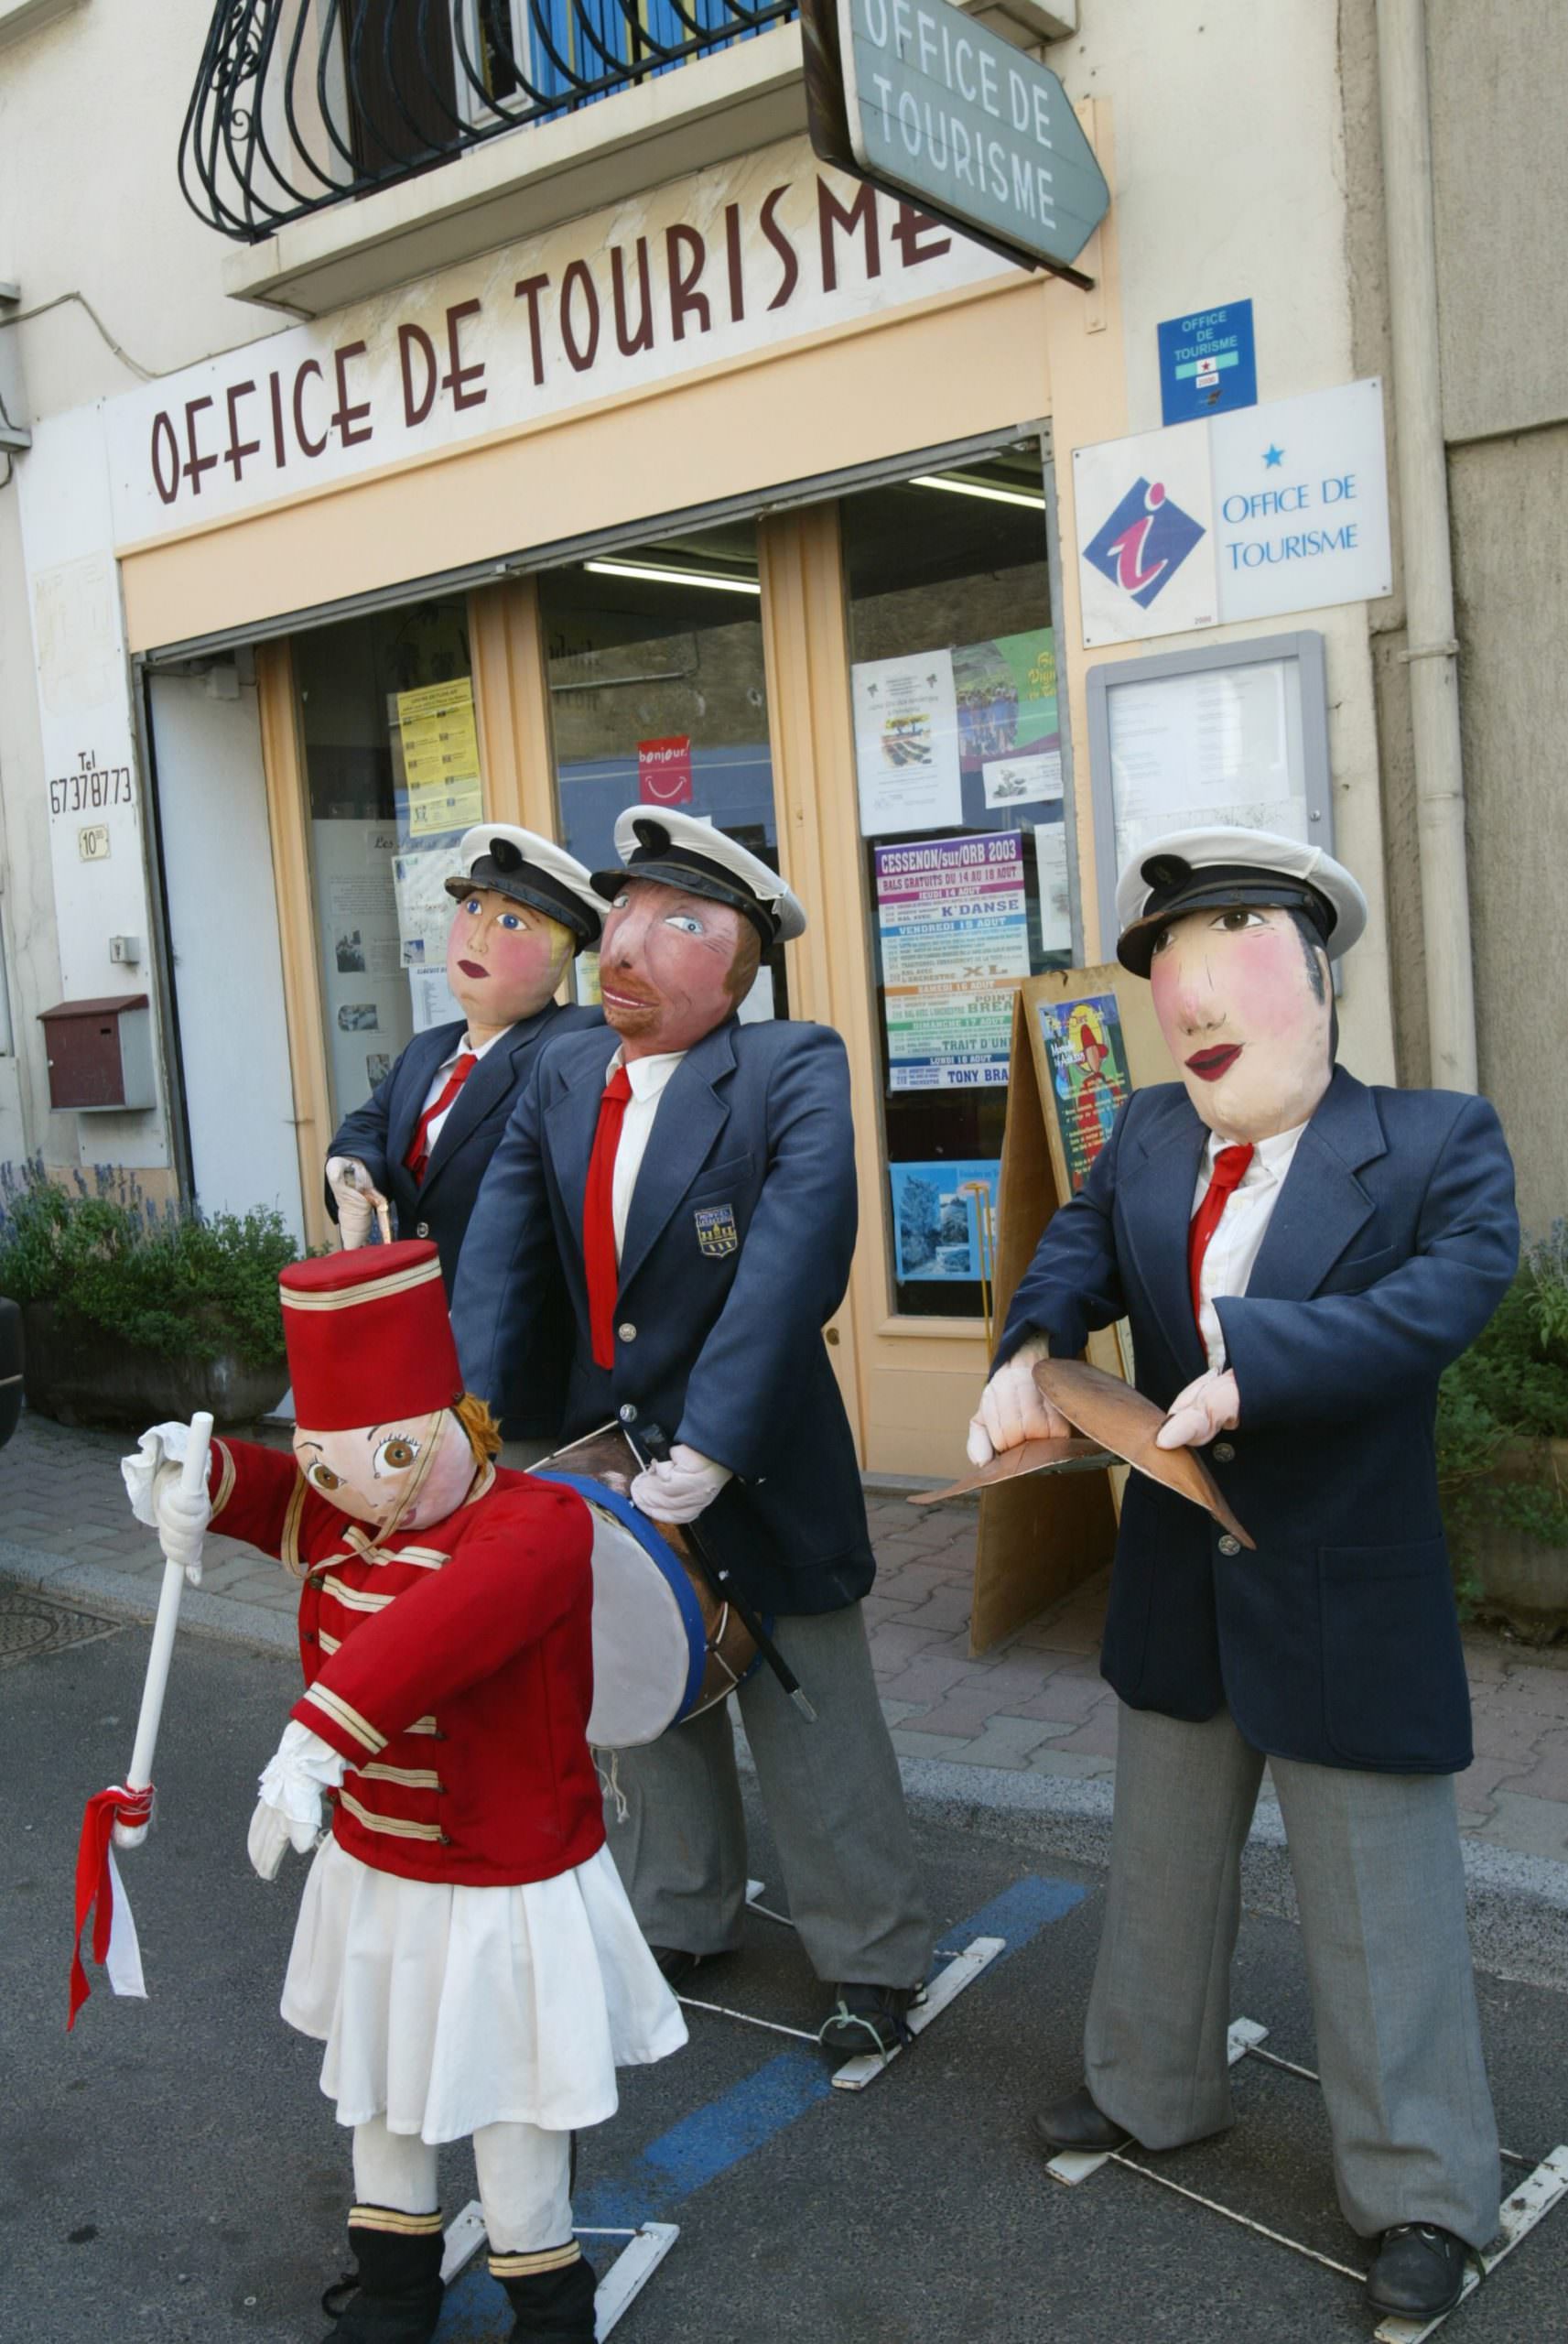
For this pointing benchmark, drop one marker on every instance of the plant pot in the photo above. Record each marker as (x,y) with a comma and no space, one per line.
(1522,1580)
(79,1375)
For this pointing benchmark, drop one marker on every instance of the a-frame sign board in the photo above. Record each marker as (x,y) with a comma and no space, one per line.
(1081,1039)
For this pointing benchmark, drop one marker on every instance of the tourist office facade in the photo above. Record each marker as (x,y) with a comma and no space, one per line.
(753,493)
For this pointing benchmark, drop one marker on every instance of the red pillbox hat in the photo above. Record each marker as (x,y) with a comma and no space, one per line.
(368,1337)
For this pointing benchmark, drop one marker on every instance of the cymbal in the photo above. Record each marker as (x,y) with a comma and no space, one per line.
(1110,1412)
(1063,1454)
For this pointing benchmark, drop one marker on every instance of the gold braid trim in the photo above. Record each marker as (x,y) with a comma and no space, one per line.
(525,2266)
(388,2218)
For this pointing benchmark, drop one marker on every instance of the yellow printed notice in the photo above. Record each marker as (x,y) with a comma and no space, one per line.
(440,757)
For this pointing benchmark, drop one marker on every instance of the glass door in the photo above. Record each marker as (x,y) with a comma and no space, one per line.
(961,815)
(658,697)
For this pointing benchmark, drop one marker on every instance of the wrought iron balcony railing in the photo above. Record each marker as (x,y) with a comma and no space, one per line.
(300,104)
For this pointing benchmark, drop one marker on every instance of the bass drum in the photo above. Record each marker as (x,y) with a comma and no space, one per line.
(665,1646)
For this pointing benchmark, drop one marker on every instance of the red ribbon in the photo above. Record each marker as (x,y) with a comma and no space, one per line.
(95,1890)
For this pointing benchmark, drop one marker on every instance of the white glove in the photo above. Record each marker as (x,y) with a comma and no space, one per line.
(156,1447)
(182,1520)
(290,1812)
(360,1202)
(1013,1408)
(679,1486)
(1210,1405)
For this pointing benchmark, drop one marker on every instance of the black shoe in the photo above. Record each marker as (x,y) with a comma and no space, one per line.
(395,2297)
(1075,2123)
(675,1965)
(868,2018)
(552,2305)
(1419,2272)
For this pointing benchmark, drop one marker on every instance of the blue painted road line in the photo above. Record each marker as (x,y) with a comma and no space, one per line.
(651,2185)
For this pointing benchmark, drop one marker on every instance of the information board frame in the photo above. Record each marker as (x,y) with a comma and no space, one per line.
(1312,782)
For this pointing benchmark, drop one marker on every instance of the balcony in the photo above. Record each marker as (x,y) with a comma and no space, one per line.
(348,145)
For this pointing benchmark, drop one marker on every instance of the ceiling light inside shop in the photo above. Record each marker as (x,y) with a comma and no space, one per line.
(675,576)
(979,488)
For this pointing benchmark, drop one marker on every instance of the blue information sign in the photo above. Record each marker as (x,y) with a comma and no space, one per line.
(1207,363)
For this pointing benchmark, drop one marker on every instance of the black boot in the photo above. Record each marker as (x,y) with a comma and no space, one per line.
(551,2293)
(395,2294)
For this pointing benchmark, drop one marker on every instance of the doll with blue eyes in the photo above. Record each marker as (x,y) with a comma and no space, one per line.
(465,1952)
(410,1161)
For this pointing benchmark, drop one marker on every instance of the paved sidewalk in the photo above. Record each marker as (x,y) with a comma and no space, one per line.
(1035,1705)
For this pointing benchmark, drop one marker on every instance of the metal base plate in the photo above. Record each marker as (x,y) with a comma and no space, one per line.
(644,2249)
(1073,2165)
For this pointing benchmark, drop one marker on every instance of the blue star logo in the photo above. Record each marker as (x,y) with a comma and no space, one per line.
(1272,457)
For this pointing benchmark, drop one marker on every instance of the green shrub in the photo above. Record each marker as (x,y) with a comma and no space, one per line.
(169,1281)
(1510,1385)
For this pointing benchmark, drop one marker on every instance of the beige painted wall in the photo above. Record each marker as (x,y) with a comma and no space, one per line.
(1509,500)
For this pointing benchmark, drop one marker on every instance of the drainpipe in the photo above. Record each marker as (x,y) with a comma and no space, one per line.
(1432,648)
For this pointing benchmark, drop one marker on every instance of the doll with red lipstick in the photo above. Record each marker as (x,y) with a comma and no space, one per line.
(1300,1256)
(420,1146)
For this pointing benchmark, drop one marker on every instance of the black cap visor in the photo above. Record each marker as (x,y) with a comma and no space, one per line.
(540,890)
(1217,889)
(675,867)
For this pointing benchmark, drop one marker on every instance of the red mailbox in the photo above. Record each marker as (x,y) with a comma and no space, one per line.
(101,1054)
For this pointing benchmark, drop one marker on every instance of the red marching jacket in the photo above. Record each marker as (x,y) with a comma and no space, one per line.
(454,1671)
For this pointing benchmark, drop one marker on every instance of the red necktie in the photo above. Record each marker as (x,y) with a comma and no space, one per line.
(1229,1166)
(599,1255)
(418,1156)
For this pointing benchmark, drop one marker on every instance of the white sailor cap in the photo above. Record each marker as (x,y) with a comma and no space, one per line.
(681,852)
(1190,870)
(531,871)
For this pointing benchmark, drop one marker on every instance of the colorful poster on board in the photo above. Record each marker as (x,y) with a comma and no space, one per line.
(440,757)
(953,932)
(1088,1075)
(906,744)
(937,1220)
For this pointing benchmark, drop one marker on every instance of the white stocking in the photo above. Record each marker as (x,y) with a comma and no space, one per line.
(397,2169)
(524,2186)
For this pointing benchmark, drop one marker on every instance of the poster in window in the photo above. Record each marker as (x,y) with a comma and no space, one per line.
(953,932)
(937,1220)
(906,743)
(1009,735)
(440,757)
(1089,1080)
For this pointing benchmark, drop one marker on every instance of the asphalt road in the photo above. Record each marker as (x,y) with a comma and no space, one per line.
(170,2171)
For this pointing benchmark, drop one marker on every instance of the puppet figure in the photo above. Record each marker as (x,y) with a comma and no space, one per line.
(465,1950)
(1300,1257)
(412,1156)
(694,1177)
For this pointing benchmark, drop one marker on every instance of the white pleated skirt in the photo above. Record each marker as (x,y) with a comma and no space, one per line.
(445,2008)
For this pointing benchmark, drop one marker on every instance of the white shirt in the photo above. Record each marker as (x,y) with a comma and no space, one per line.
(439,1080)
(648,1078)
(1234,1248)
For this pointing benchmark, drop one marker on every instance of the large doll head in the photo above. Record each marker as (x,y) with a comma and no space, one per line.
(383,1430)
(690,917)
(1234,931)
(523,910)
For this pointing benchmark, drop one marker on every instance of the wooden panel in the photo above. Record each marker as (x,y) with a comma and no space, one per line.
(1040,1538)
(288,821)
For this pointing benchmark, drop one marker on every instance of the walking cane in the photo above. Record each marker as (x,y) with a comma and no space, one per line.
(122,1813)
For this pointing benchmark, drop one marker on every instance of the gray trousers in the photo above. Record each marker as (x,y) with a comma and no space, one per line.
(833,1796)
(1381,1886)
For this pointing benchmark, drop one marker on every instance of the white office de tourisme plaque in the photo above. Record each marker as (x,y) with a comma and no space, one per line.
(916,97)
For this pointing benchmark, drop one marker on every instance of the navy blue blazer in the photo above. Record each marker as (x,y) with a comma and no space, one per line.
(381,1132)
(738,1247)
(1392,1242)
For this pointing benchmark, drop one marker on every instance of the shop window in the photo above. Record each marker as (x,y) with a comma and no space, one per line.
(392,768)
(959,764)
(658,697)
